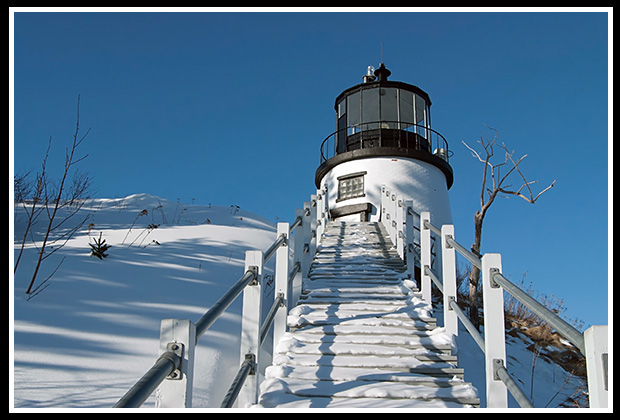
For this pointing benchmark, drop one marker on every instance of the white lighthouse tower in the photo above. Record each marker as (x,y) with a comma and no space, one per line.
(384,137)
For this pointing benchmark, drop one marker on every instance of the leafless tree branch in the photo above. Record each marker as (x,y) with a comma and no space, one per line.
(498,186)
(57,197)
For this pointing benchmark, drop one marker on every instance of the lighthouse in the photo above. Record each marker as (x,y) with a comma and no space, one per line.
(384,137)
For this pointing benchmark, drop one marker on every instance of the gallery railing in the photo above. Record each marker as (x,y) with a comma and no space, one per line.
(394,134)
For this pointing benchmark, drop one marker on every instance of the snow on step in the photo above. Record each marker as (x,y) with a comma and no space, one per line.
(457,393)
(350,373)
(282,399)
(392,313)
(404,338)
(361,336)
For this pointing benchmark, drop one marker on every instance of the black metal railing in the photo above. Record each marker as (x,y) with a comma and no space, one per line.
(375,134)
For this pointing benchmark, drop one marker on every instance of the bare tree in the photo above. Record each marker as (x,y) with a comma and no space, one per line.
(494,184)
(49,198)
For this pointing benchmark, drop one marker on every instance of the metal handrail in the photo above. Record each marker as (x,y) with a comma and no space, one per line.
(412,133)
(296,223)
(474,259)
(500,371)
(271,251)
(245,370)
(221,305)
(562,327)
(432,227)
(169,361)
(503,374)
(278,302)
(469,326)
(164,366)
(249,364)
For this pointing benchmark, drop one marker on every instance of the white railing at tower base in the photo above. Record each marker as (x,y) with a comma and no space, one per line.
(171,376)
(398,217)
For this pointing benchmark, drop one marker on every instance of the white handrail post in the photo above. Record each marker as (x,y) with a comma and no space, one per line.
(320,214)
(400,222)
(385,213)
(326,214)
(281,284)
(448,269)
(250,327)
(298,253)
(313,223)
(393,216)
(596,343)
(307,233)
(425,257)
(179,336)
(410,236)
(494,328)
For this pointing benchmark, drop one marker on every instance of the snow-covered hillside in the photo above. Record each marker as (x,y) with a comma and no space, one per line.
(86,339)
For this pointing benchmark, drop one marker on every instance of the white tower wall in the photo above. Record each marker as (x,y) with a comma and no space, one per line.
(419,181)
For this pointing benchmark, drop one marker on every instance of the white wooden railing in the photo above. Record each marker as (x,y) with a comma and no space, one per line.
(171,376)
(398,217)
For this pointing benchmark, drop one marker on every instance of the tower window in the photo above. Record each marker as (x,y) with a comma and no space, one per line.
(351,186)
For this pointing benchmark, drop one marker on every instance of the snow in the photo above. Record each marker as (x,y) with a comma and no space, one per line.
(87,338)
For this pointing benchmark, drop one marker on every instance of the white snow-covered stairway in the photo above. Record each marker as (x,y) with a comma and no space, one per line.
(361,336)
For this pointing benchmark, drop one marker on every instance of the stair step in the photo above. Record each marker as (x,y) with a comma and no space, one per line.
(458,393)
(429,342)
(421,329)
(356,374)
(361,336)
(396,363)
(352,281)
(420,353)
(333,316)
(325,313)
(279,399)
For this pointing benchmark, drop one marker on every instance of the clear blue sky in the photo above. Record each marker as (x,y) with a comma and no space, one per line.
(230,108)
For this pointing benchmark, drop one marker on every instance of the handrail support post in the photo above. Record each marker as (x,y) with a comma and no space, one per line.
(596,341)
(494,331)
(410,240)
(448,269)
(298,254)
(313,224)
(306,256)
(250,325)
(281,285)
(399,212)
(178,336)
(425,256)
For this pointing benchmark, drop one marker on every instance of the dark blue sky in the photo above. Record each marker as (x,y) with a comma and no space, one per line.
(231,108)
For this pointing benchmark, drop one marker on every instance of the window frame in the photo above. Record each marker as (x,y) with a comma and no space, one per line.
(349,177)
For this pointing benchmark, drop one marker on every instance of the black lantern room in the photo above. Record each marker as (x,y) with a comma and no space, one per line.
(380,117)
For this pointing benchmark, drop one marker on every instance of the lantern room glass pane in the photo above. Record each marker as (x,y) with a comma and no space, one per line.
(353,104)
(389,106)
(420,107)
(370,108)
(341,108)
(420,115)
(406,107)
